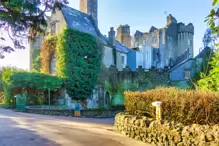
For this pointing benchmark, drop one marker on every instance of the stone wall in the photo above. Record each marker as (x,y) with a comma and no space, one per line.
(163,133)
(96,113)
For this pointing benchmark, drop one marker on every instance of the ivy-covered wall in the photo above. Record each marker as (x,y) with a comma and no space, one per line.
(48,53)
(79,62)
(116,82)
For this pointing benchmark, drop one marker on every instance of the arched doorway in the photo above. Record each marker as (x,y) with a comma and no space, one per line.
(107,99)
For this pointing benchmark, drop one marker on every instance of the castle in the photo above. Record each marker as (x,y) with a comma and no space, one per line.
(165,46)
(158,48)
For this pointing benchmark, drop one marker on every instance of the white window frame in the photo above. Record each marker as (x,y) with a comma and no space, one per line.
(124,64)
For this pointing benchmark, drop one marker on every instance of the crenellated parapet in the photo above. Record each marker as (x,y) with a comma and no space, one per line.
(186,28)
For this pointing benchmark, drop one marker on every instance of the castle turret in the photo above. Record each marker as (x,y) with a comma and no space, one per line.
(185,39)
(123,35)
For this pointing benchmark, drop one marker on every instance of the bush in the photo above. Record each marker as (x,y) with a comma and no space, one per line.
(15,81)
(185,106)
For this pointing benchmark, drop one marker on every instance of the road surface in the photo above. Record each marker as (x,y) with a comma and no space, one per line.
(22,129)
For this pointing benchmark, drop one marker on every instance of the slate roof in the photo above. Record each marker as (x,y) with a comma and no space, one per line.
(122,48)
(180,64)
(152,29)
(204,52)
(82,22)
(78,20)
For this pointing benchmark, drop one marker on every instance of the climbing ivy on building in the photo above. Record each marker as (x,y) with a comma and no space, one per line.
(47,53)
(78,61)
(36,64)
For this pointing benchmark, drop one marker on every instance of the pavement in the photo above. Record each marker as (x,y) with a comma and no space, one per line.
(23,129)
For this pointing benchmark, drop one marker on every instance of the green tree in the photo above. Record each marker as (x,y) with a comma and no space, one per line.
(211,81)
(24,19)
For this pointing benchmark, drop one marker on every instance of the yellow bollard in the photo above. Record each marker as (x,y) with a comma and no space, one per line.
(157,104)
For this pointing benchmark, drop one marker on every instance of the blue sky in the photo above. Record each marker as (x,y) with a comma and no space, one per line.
(140,15)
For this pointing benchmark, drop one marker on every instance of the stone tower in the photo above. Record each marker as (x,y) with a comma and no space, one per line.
(90,7)
(123,35)
(185,39)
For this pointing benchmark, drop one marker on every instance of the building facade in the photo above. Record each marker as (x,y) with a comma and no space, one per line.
(168,43)
(90,7)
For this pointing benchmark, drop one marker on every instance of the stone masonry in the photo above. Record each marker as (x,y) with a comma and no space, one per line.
(164,133)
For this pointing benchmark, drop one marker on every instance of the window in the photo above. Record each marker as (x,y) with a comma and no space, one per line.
(53,28)
(123,60)
(154,40)
(146,56)
(187,74)
(189,42)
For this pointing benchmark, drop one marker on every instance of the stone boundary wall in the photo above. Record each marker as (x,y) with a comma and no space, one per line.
(163,133)
(84,113)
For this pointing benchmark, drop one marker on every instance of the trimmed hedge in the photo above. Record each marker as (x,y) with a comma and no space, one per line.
(184,106)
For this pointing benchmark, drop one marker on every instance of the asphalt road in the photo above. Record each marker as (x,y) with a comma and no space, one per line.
(22,129)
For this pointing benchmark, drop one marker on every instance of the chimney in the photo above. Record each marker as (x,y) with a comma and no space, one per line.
(112,36)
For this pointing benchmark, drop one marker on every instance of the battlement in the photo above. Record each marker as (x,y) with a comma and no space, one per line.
(185,28)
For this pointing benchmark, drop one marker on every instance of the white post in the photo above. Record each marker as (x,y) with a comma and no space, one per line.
(157,104)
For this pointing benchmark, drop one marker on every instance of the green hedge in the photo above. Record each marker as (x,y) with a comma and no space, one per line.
(18,80)
(184,106)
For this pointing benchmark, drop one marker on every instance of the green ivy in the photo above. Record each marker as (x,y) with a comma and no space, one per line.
(36,60)
(78,61)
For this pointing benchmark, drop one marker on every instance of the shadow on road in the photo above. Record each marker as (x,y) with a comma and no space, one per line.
(13,135)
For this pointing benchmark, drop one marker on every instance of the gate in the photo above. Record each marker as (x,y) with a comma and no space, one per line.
(21,102)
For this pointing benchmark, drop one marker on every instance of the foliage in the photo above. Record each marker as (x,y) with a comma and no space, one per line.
(184,106)
(213,18)
(38,81)
(211,82)
(36,60)
(78,60)
(208,39)
(2,98)
(47,53)
(25,18)
(2,70)
(15,81)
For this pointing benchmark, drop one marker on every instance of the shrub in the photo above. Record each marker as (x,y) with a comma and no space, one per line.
(185,106)
(15,81)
